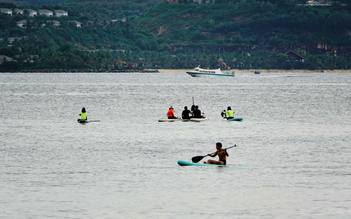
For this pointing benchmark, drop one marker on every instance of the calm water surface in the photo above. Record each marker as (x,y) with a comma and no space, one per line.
(295,139)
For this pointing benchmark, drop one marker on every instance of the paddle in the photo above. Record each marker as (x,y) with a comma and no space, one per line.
(198,158)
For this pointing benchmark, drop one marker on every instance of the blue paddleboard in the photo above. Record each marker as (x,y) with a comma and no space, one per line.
(187,163)
(235,119)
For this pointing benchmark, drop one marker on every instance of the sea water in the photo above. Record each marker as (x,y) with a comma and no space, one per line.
(295,140)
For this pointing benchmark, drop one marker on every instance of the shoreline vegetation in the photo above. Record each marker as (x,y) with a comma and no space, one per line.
(279,34)
(251,71)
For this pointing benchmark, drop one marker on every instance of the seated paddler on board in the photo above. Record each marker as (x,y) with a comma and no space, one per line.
(83,114)
(185,113)
(229,112)
(170,113)
(197,113)
(221,153)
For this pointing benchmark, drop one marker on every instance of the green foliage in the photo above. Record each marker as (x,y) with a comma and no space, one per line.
(7,5)
(39,2)
(256,22)
(152,35)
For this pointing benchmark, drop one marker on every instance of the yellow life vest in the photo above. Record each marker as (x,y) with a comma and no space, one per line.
(83,116)
(230,113)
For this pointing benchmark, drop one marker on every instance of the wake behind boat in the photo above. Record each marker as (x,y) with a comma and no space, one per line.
(199,72)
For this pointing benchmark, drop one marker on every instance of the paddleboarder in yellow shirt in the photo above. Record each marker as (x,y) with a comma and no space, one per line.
(83,114)
(229,112)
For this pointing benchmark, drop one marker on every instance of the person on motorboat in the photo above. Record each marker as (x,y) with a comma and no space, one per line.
(185,113)
(170,113)
(222,154)
(229,112)
(83,114)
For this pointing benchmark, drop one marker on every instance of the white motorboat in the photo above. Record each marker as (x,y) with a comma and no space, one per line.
(199,72)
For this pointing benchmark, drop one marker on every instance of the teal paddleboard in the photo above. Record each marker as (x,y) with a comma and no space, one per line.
(235,119)
(87,121)
(187,163)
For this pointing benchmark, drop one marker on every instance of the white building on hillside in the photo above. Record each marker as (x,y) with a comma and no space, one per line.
(18,11)
(2,57)
(22,23)
(59,13)
(46,12)
(32,13)
(12,39)
(6,10)
(78,24)
(54,22)
(204,1)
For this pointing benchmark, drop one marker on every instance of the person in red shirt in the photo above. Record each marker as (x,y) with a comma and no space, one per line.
(170,113)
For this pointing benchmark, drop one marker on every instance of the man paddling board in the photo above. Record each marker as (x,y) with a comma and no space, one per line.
(222,154)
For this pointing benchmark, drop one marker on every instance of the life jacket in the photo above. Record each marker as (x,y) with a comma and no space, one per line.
(170,113)
(83,116)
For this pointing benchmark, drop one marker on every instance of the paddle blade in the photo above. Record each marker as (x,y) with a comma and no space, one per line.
(197,159)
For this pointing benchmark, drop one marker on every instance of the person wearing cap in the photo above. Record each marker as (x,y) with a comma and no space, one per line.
(170,113)
(83,114)
(229,112)
(185,113)
(222,155)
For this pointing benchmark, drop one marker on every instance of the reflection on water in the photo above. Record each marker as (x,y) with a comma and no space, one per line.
(294,138)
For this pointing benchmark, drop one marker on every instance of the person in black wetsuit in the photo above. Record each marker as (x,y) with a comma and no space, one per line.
(192,108)
(197,112)
(185,113)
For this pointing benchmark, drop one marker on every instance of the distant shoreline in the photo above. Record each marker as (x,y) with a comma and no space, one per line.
(250,71)
(261,71)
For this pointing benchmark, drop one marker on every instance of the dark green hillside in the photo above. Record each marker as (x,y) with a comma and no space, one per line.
(253,23)
(102,26)
(110,9)
(240,33)
(38,2)
(55,2)
(101,31)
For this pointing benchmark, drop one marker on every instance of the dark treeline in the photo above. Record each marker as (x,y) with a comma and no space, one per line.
(38,2)
(151,35)
(99,30)
(66,58)
(249,22)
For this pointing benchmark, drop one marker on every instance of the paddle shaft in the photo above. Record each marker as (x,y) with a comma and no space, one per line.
(224,149)
(198,158)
